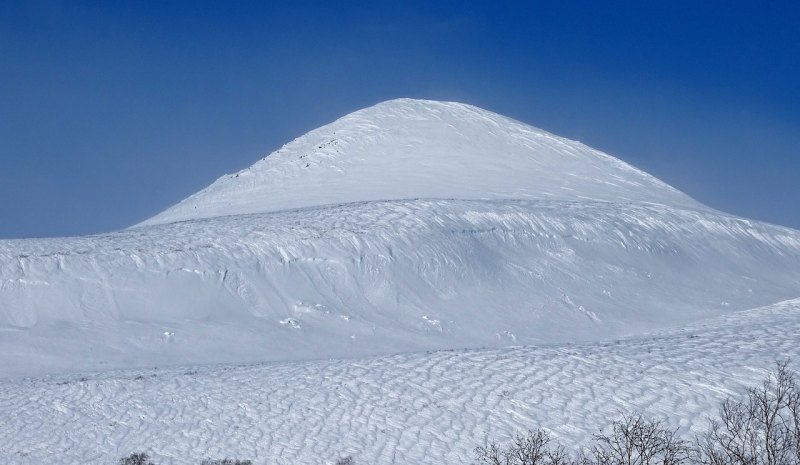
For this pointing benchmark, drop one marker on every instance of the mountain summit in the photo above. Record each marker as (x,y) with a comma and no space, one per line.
(405,149)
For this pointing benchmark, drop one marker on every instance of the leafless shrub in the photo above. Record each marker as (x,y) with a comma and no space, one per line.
(136,459)
(227,462)
(762,429)
(634,440)
(532,448)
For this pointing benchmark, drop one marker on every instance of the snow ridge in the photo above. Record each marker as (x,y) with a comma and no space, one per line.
(379,277)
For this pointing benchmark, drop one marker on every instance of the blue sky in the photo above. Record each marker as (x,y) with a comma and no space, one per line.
(111,111)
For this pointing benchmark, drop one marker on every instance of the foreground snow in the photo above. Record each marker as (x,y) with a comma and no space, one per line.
(416,408)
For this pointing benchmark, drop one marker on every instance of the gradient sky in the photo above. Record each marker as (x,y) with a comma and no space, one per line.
(112,111)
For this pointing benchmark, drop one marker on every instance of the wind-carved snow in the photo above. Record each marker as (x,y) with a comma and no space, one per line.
(424,408)
(407,226)
(380,277)
(407,149)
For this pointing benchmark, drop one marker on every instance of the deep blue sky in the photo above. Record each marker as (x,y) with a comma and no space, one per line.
(112,111)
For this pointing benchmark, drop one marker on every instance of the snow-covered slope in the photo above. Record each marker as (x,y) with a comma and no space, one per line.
(429,226)
(405,409)
(408,149)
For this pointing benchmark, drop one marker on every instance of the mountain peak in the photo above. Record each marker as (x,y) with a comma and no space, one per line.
(407,148)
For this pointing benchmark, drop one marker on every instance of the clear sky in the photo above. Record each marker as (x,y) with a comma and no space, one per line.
(112,111)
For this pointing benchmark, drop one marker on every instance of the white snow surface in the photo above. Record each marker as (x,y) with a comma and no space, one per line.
(408,149)
(379,277)
(420,408)
(583,287)
(454,228)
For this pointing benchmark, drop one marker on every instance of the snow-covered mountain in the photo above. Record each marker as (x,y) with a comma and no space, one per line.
(406,226)
(411,149)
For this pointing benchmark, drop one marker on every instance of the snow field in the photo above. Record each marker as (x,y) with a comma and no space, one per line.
(374,278)
(425,408)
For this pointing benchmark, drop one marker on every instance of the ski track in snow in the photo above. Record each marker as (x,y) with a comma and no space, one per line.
(420,408)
